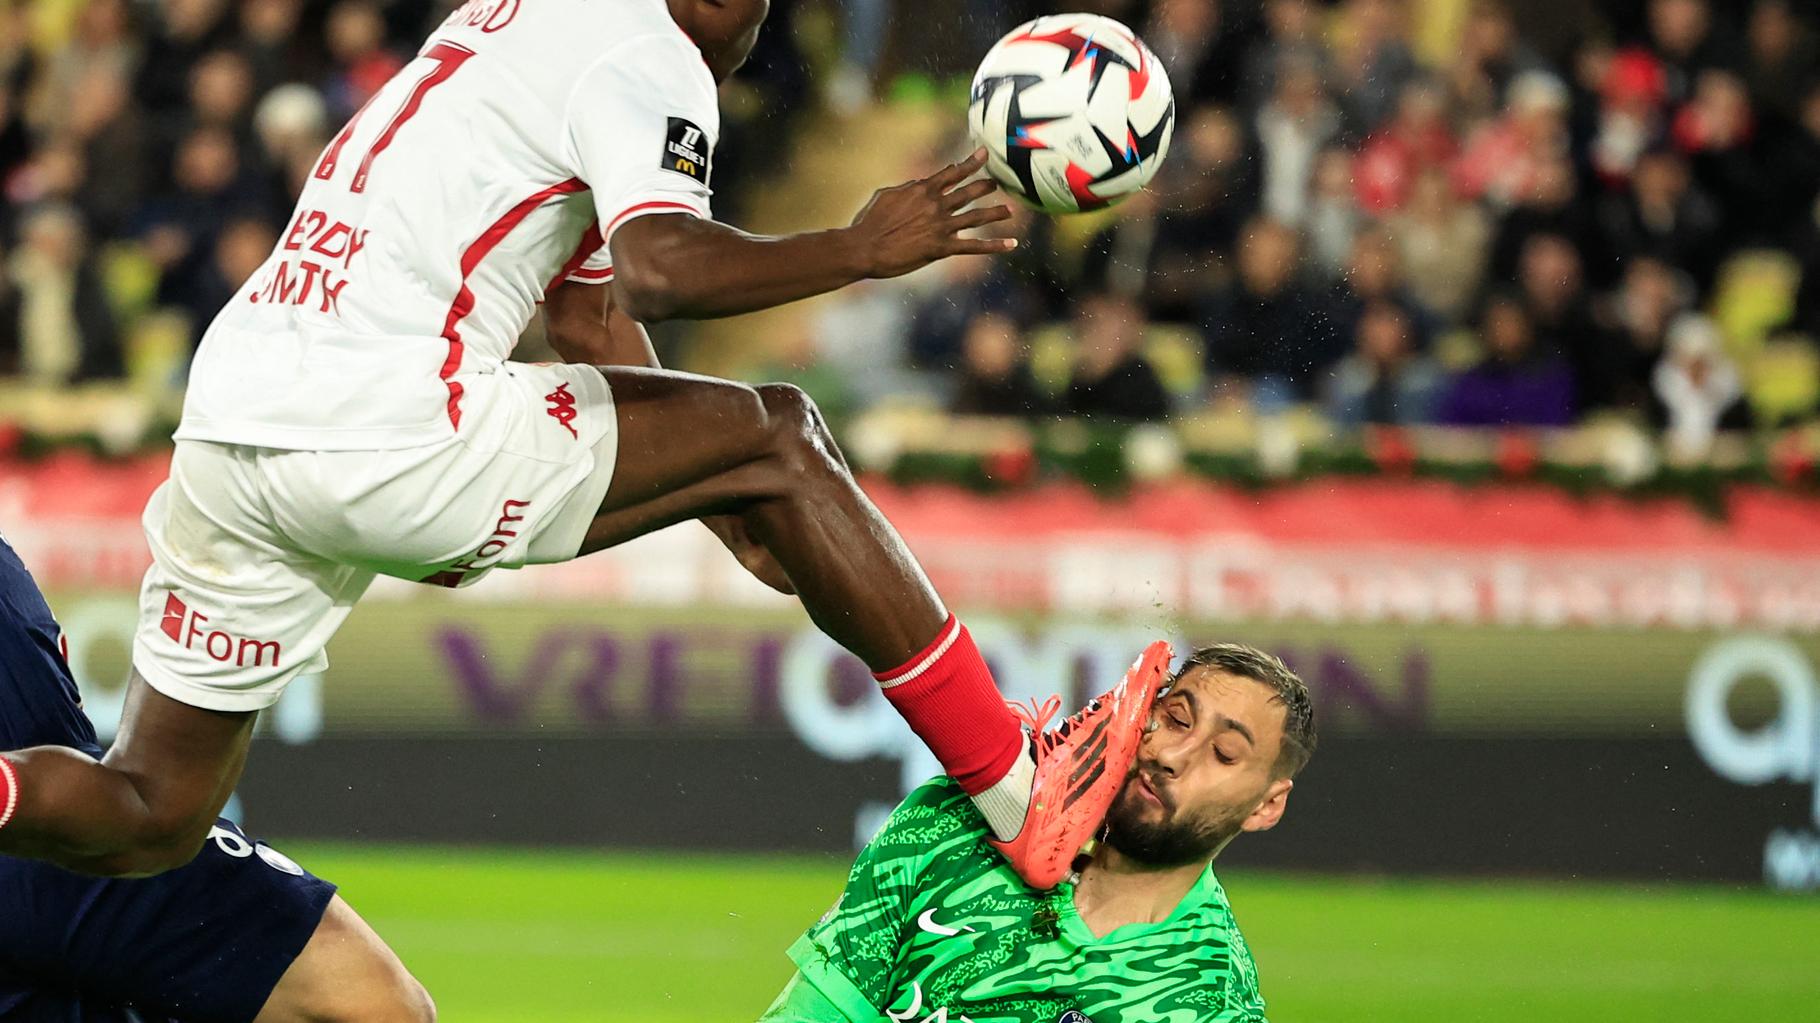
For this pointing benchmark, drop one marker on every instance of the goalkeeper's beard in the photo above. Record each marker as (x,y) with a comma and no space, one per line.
(1174,841)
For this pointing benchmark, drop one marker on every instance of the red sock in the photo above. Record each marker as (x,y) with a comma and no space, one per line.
(947,695)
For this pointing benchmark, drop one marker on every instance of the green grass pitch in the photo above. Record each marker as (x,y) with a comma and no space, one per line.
(508,936)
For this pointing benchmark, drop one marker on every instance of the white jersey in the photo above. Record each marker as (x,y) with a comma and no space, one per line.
(495,165)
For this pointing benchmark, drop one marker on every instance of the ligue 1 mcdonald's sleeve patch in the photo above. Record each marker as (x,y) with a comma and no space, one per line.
(687,149)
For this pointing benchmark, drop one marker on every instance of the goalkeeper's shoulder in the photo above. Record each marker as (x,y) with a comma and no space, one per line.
(803,1002)
(934,811)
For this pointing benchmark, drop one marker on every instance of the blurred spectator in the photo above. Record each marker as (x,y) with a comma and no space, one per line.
(360,61)
(1791,170)
(1374,274)
(114,144)
(1385,381)
(56,325)
(1491,56)
(1163,245)
(1291,39)
(1552,204)
(1372,60)
(1554,295)
(54,175)
(1632,89)
(1442,242)
(240,249)
(1415,140)
(1782,58)
(102,43)
(995,375)
(211,186)
(1716,130)
(1333,217)
(1683,34)
(1617,373)
(183,32)
(221,92)
(1200,49)
(1024,285)
(1697,388)
(1264,327)
(1664,216)
(292,127)
(1111,380)
(1515,384)
(271,43)
(1293,126)
(1503,159)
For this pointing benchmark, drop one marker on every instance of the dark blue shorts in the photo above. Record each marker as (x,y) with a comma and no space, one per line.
(205,943)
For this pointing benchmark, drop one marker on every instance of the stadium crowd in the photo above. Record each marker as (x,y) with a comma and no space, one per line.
(1490,232)
(1498,237)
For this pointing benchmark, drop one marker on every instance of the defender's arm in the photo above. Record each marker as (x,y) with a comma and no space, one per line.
(143,809)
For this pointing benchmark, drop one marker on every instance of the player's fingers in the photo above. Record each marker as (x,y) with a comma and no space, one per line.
(981,246)
(954,174)
(970,193)
(980,217)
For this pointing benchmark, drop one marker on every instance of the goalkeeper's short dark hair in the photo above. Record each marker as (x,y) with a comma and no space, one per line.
(1252,663)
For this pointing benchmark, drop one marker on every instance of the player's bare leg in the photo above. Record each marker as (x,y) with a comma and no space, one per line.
(693,446)
(346,974)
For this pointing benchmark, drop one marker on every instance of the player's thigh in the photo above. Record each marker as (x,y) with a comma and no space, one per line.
(347,973)
(691,446)
(676,429)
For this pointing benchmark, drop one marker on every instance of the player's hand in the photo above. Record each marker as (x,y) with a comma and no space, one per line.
(752,555)
(908,227)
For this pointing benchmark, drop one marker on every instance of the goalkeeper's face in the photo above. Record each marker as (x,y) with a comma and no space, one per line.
(1205,772)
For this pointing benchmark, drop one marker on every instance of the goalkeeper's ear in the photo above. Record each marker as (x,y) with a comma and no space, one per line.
(1270,810)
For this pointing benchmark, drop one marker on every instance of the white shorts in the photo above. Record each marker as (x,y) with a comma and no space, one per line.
(258,554)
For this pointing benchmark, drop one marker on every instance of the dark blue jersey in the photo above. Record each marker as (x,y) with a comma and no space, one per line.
(205,942)
(39,705)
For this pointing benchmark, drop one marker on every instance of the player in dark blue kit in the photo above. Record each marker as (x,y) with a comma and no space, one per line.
(240,934)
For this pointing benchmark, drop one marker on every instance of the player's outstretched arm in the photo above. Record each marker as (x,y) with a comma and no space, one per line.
(675,266)
(143,809)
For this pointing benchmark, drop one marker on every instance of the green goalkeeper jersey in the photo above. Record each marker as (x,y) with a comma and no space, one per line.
(935,927)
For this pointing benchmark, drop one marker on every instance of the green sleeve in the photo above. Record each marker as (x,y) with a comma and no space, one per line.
(1243,1002)
(802,1002)
(851,954)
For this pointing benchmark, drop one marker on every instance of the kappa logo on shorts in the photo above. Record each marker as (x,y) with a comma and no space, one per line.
(562,408)
(187,629)
(686,150)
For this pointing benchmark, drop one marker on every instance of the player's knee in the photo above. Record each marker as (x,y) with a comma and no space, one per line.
(410,1003)
(796,428)
(404,1005)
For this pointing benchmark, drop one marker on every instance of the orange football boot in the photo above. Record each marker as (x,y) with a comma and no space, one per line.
(1080,767)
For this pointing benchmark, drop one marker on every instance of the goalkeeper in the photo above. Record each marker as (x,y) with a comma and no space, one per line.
(933,927)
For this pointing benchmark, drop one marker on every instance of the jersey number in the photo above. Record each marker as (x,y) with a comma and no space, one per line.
(448,59)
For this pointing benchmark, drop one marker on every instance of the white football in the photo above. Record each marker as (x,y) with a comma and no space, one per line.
(1075,111)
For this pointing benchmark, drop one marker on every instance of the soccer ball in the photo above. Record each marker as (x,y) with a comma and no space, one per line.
(1074,110)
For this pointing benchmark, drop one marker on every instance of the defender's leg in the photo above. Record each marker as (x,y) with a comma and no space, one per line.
(347,974)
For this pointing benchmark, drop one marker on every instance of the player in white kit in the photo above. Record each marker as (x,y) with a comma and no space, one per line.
(351,413)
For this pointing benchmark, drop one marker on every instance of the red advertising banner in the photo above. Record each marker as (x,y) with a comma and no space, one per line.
(1333,550)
